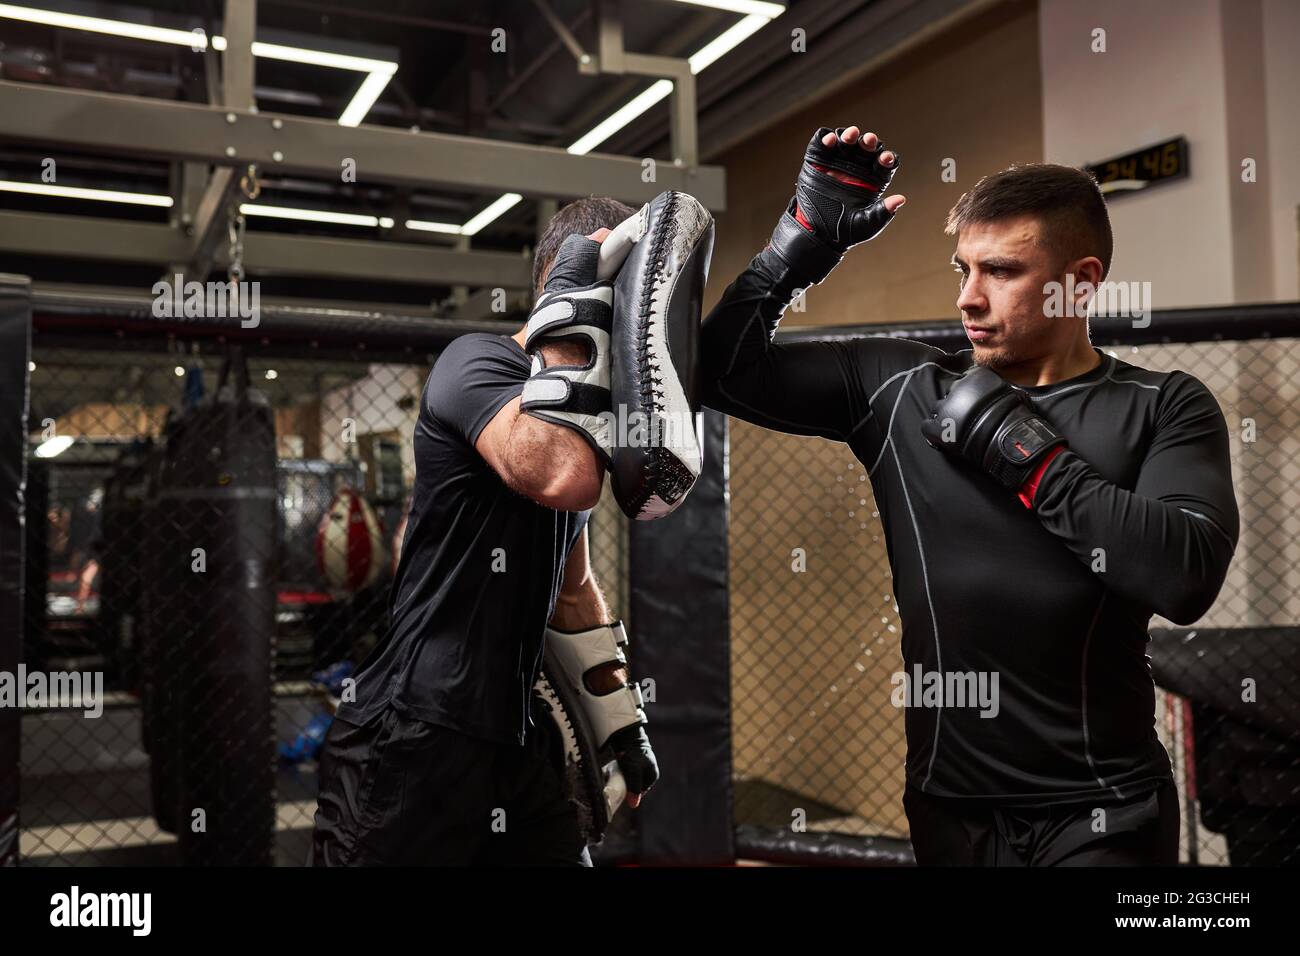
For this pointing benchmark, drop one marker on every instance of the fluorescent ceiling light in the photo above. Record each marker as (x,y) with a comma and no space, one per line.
(731,38)
(625,114)
(308,215)
(76,192)
(379,71)
(54,446)
(248,209)
(337,61)
(490,213)
(712,51)
(120,28)
(423,225)
(758,15)
(761,8)
(365,97)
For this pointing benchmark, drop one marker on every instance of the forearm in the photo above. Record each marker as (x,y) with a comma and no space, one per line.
(801,388)
(1169,555)
(551,464)
(579,608)
(737,333)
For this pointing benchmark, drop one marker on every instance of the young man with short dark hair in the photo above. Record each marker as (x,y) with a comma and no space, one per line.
(1040,501)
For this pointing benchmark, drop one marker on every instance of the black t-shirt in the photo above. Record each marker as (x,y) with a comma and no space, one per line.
(481,566)
(1136,517)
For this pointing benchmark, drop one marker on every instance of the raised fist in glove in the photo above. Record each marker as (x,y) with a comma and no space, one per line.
(839,201)
(993,425)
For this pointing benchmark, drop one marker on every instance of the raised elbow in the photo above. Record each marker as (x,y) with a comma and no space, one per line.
(575,488)
(1191,604)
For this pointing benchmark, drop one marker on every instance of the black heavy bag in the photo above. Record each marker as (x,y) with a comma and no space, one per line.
(121,574)
(218,492)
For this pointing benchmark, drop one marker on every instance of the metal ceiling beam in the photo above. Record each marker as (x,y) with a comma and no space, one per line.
(230,137)
(222,192)
(90,237)
(612,58)
(240,26)
(83,237)
(481,305)
(210,219)
(64,317)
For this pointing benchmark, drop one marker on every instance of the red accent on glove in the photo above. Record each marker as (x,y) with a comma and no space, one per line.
(798,213)
(1030,488)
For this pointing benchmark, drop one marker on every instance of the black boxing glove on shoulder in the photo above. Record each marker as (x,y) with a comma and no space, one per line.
(840,214)
(993,425)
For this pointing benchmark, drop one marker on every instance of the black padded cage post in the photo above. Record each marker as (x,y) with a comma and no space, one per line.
(15,354)
(679,613)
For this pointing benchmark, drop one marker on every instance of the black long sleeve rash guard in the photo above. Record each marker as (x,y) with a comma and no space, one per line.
(1137,516)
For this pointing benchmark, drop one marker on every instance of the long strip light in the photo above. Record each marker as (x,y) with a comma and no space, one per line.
(77,192)
(315,215)
(379,72)
(248,209)
(424,225)
(119,28)
(497,208)
(625,114)
(757,14)
(761,8)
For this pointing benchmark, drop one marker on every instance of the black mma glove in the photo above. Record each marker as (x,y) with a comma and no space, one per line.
(994,426)
(841,214)
(635,757)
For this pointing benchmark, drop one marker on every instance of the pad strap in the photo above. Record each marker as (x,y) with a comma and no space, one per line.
(578,653)
(574,396)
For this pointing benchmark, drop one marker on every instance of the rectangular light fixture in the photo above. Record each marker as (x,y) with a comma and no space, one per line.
(501,204)
(625,114)
(295,54)
(762,8)
(77,192)
(727,41)
(712,51)
(757,13)
(314,215)
(424,225)
(379,72)
(371,87)
(119,28)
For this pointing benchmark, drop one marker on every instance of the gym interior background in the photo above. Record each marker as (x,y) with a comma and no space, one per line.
(378,174)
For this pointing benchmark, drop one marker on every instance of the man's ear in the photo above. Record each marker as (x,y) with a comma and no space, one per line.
(546,274)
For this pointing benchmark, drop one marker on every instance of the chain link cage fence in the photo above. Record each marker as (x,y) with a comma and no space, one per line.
(215,530)
(817,743)
(213,533)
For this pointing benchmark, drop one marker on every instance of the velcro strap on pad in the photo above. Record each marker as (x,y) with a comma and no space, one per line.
(568,310)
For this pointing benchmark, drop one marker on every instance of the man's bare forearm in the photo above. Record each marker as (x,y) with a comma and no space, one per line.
(583,608)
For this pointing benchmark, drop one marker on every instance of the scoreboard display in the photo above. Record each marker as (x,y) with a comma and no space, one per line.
(1142,168)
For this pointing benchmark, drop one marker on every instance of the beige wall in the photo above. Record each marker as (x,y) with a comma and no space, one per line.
(971,96)
(813,651)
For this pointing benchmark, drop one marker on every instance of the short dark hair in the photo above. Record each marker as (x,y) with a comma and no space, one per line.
(1066,200)
(583,216)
